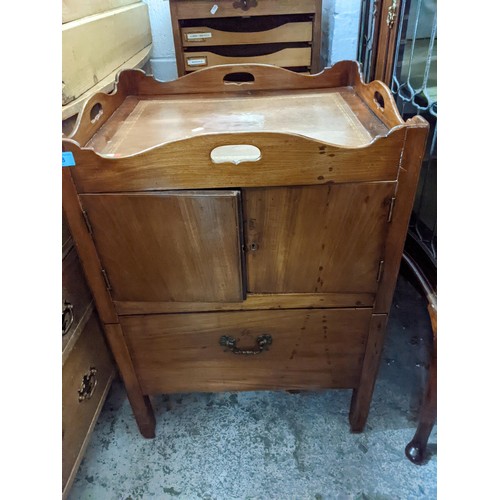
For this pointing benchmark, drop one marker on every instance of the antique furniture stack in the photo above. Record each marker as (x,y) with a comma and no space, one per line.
(87,365)
(241,228)
(281,32)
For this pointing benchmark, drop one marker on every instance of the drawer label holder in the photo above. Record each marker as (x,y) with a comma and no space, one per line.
(198,37)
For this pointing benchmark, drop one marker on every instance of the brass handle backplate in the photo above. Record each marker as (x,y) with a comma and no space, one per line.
(67,317)
(263,341)
(245,4)
(89,382)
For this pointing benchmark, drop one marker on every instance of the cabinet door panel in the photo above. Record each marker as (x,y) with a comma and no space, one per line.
(327,238)
(169,246)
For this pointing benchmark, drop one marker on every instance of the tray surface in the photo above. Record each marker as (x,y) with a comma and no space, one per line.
(333,116)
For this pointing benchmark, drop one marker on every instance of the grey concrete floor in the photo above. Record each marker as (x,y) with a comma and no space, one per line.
(273,445)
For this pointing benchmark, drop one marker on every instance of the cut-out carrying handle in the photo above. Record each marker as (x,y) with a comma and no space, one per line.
(235,154)
(238,78)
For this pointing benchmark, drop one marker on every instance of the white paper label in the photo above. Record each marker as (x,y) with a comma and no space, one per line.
(214,9)
(198,36)
(200,61)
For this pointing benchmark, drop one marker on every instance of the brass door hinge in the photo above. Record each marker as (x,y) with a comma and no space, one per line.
(106,280)
(391,209)
(380,271)
(87,221)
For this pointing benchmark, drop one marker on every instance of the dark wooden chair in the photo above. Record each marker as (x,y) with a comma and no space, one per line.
(416,449)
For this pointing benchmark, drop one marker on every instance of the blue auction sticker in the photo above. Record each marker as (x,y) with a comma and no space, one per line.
(68,160)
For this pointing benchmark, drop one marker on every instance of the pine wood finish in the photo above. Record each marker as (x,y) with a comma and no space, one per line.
(199,36)
(301,241)
(286,57)
(310,238)
(284,33)
(310,350)
(186,250)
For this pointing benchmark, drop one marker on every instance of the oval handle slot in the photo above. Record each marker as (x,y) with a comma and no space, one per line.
(236,154)
(261,345)
(89,383)
(67,317)
(379,100)
(238,78)
(96,112)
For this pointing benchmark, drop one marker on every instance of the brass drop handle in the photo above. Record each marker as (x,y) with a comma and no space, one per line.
(89,382)
(67,317)
(263,341)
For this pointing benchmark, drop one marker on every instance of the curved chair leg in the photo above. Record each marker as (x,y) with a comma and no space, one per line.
(416,449)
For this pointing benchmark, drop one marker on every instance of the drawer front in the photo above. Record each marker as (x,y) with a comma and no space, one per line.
(309,349)
(76,296)
(287,58)
(197,9)
(291,32)
(83,399)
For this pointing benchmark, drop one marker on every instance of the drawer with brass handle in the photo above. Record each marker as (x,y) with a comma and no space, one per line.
(86,377)
(196,9)
(248,350)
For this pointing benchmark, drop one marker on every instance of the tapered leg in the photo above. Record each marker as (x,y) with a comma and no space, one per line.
(362,396)
(416,448)
(141,405)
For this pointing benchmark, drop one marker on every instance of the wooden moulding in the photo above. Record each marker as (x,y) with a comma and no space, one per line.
(252,302)
(280,156)
(135,82)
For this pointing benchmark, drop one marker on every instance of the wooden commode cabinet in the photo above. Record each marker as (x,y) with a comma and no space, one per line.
(243,235)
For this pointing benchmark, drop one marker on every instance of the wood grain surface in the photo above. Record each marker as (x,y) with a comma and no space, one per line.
(285,161)
(289,57)
(289,32)
(253,301)
(316,239)
(169,246)
(193,9)
(78,418)
(310,349)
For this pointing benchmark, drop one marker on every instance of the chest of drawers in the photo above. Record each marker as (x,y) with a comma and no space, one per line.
(282,33)
(243,236)
(87,365)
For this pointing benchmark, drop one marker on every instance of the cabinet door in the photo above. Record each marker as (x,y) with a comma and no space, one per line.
(168,246)
(327,238)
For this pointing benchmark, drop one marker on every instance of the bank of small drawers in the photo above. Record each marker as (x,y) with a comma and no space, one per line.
(87,367)
(282,33)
